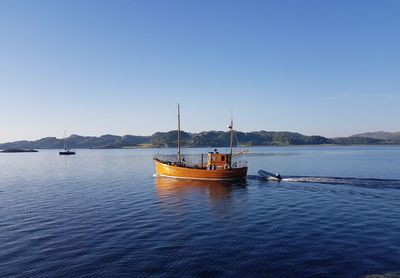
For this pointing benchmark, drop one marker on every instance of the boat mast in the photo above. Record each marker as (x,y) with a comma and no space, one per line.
(179,135)
(231,144)
(65,139)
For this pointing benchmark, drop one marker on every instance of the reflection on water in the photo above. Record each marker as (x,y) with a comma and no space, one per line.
(215,190)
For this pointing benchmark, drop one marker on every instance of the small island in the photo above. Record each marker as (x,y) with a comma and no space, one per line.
(19,151)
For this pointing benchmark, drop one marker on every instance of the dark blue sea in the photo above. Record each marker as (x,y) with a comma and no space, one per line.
(101,213)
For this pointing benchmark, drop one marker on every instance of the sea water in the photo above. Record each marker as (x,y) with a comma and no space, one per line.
(101,213)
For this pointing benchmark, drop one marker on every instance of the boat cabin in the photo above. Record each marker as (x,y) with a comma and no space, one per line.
(218,160)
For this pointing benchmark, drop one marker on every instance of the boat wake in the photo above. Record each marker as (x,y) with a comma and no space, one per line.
(365,182)
(344,180)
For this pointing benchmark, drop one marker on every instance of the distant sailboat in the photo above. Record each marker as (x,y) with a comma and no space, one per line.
(66,150)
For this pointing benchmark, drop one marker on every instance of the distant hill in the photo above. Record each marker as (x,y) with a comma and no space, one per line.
(80,142)
(382,135)
(202,139)
(221,138)
(355,140)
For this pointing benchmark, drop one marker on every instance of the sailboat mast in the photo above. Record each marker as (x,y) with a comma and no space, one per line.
(179,135)
(231,144)
(65,139)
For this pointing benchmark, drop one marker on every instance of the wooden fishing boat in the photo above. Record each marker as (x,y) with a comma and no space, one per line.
(218,166)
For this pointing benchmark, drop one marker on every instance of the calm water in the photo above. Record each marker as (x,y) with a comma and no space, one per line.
(101,213)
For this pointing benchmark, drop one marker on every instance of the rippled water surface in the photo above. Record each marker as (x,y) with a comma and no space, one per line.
(101,213)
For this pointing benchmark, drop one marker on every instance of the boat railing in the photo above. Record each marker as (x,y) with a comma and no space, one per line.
(239,164)
(195,160)
(187,160)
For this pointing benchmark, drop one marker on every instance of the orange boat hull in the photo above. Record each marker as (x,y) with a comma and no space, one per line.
(165,170)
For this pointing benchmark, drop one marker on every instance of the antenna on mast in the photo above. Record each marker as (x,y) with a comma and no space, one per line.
(179,135)
(231,141)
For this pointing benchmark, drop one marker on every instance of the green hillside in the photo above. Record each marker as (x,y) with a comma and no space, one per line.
(202,139)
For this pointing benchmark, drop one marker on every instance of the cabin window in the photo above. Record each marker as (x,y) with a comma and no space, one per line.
(223,158)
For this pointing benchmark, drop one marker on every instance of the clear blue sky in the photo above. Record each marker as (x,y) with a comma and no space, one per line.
(94,67)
